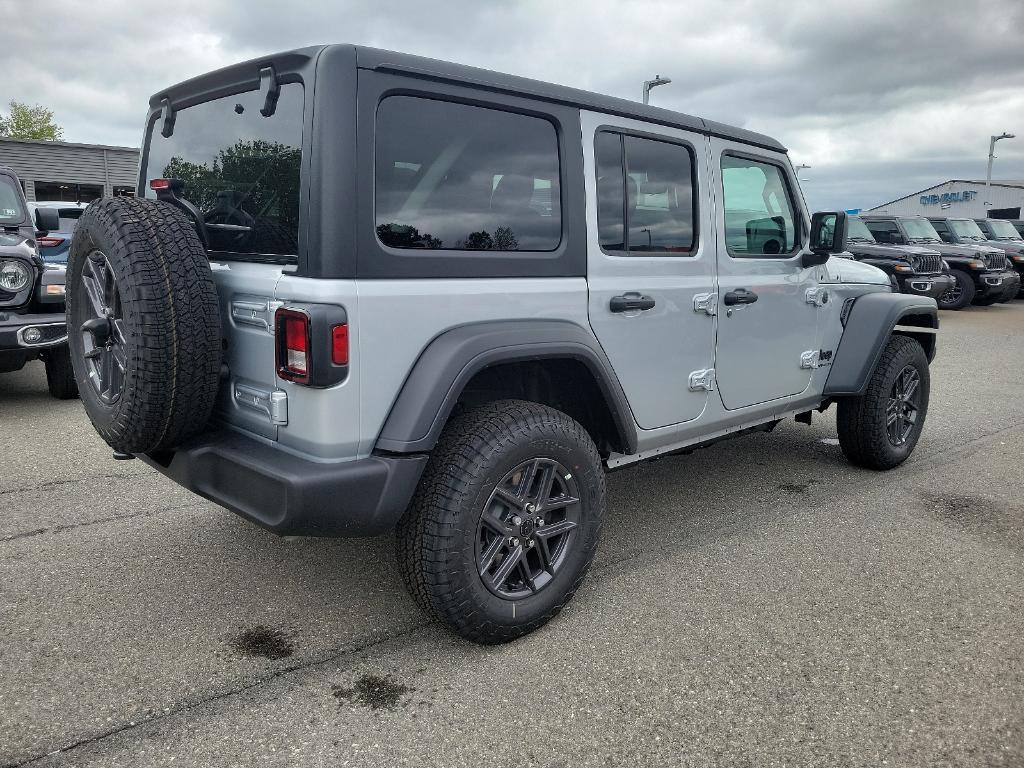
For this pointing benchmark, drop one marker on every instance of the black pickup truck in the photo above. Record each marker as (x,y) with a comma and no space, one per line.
(914,269)
(32,323)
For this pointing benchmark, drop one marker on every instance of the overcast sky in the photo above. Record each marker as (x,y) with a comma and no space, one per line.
(881,97)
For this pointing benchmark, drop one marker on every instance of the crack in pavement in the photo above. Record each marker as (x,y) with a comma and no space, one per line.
(331,656)
(70,481)
(99,521)
(606,570)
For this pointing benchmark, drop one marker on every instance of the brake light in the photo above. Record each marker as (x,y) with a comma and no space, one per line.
(49,242)
(155,184)
(339,344)
(293,345)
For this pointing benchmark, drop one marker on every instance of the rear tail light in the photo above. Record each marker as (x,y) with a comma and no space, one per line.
(312,344)
(49,242)
(293,345)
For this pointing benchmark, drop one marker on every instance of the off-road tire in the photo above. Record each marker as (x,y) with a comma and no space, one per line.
(171,322)
(967,291)
(436,538)
(60,375)
(862,421)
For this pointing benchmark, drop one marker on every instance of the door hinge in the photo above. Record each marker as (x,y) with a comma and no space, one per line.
(704,379)
(817,296)
(706,303)
(809,359)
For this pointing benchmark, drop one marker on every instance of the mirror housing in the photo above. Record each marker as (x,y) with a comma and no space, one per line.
(47,219)
(828,236)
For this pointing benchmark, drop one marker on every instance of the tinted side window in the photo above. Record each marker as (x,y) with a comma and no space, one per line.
(759,219)
(611,207)
(455,176)
(649,185)
(883,230)
(943,229)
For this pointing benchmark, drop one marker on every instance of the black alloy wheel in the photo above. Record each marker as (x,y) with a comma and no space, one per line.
(526,528)
(99,321)
(904,405)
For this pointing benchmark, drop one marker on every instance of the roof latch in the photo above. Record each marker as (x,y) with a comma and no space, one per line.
(168,115)
(270,89)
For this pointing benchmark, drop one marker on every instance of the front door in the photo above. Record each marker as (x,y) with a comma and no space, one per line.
(651,254)
(767,329)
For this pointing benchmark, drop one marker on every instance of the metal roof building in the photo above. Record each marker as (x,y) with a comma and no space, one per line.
(57,170)
(962,197)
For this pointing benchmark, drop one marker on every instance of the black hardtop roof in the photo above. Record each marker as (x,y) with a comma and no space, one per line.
(184,94)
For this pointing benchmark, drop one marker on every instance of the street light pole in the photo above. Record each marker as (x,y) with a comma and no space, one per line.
(991,156)
(648,84)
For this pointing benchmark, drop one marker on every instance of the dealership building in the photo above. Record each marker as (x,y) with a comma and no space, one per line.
(961,197)
(56,170)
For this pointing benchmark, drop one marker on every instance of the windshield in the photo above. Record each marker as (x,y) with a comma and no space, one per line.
(858,231)
(967,229)
(920,229)
(12,210)
(1003,230)
(240,169)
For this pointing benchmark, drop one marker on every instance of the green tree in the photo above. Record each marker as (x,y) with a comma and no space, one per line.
(25,122)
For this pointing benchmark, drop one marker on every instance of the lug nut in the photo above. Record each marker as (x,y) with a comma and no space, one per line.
(540,521)
(531,508)
(517,520)
(529,544)
(514,542)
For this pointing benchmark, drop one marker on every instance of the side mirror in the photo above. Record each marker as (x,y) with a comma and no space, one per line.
(47,219)
(828,236)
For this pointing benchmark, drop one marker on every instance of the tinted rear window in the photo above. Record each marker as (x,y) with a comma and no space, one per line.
(454,176)
(239,168)
(12,210)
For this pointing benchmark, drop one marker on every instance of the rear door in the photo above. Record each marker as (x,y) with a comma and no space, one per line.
(767,330)
(650,258)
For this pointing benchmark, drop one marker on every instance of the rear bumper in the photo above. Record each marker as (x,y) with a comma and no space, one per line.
(931,286)
(289,495)
(52,329)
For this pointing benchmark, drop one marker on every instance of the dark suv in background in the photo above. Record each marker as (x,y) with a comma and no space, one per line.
(915,269)
(32,323)
(965,232)
(1003,234)
(973,267)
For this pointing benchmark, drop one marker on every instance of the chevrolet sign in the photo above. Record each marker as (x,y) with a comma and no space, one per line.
(949,197)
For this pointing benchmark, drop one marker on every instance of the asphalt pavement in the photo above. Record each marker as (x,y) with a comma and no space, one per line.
(757,603)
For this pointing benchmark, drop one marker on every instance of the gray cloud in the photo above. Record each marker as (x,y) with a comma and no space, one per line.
(881,98)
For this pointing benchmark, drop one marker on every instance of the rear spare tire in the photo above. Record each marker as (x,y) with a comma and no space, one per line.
(143,324)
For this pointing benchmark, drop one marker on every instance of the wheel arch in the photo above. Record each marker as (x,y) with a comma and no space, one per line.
(492,360)
(871,321)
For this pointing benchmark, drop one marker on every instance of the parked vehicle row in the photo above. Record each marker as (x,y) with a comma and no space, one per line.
(955,261)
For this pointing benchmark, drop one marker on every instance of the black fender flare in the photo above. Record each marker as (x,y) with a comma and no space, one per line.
(870,322)
(452,358)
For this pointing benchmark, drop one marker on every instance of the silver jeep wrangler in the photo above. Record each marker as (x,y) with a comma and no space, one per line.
(368,291)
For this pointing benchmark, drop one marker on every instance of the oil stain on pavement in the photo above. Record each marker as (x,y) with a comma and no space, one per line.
(263,642)
(374,692)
